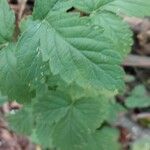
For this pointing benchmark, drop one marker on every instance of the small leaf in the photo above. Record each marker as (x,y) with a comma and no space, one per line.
(129,78)
(139,98)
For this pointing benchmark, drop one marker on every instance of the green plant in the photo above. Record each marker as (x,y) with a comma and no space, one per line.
(142,143)
(139,98)
(64,68)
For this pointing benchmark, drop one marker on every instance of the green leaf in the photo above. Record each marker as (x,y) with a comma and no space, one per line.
(10,80)
(143,143)
(52,106)
(42,8)
(43,133)
(7,22)
(138,8)
(139,98)
(75,51)
(33,137)
(129,78)
(29,58)
(22,121)
(3,99)
(104,139)
(106,13)
(68,121)
(114,110)
(63,5)
(116,30)
(25,23)
(48,110)
(89,6)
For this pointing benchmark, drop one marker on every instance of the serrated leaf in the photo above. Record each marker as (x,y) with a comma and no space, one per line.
(52,107)
(10,80)
(138,8)
(72,131)
(7,22)
(116,30)
(75,51)
(106,13)
(139,98)
(22,121)
(89,6)
(104,139)
(65,116)
(42,8)
(63,5)
(29,58)
(48,110)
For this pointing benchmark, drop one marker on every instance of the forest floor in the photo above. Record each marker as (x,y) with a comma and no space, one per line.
(134,124)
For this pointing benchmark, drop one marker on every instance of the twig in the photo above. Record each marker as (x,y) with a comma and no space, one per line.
(141,116)
(22,4)
(137,61)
